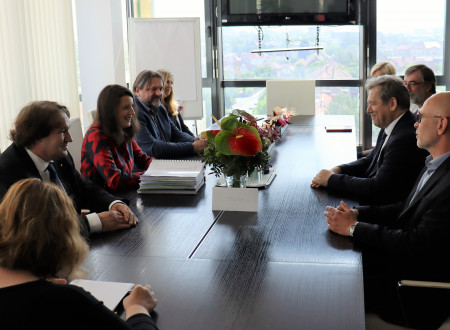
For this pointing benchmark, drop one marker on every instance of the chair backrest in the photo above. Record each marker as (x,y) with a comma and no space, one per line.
(298,96)
(77,140)
(91,116)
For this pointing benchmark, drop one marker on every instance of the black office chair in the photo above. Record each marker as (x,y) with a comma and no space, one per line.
(425,305)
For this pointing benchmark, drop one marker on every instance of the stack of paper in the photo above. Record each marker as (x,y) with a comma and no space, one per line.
(173,177)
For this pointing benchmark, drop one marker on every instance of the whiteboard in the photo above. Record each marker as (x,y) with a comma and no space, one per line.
(172,44)
(298,96)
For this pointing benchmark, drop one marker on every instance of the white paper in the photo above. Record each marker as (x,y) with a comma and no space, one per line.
(110,293)
(235,199)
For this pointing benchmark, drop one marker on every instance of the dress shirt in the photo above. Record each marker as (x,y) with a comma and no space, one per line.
(431,165)
(389,128)
(94,220)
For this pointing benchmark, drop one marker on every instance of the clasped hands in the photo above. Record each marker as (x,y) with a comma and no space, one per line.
(340,219)
(199,144)
(119,217)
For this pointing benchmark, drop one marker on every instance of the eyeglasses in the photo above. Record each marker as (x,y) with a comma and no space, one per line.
(419,117)
(413,83)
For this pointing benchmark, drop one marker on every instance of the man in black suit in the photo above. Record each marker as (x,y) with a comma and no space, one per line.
(409,240)
(39,149)
(387,174)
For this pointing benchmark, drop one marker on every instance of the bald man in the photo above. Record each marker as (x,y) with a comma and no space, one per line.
(410,240)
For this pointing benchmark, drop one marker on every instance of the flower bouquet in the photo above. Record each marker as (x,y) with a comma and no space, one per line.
(279,119)
(238,148)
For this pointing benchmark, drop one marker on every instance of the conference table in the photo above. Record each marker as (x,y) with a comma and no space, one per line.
(278,268)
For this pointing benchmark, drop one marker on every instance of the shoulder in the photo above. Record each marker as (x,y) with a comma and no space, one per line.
(95,134)
(13,156)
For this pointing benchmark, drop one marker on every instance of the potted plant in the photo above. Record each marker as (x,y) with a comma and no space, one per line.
(238,148)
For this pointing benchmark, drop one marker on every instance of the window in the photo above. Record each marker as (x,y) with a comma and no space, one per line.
(339,58)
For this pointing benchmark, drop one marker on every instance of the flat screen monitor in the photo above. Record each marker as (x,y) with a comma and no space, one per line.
(282,12)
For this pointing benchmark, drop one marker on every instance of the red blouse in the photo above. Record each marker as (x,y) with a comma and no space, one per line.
(112,166)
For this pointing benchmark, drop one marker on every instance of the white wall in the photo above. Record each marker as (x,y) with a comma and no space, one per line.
(100,49)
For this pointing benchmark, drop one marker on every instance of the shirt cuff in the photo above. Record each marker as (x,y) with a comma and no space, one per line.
(94,222)
(115,202)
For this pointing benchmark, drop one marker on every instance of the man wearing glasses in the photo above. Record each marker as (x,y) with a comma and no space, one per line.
(409,240)
(421,83)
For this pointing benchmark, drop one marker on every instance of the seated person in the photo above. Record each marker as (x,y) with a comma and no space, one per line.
(421,83)
(41,247)
(110,157)
(158,136)
(382,68)
(39,150)
(169,102)
(388,173)
(409,240)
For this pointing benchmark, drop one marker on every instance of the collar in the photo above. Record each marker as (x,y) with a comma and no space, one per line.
(388,130)
(433,164)
(40,164)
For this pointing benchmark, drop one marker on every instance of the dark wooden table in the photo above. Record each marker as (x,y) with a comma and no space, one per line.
(279,268)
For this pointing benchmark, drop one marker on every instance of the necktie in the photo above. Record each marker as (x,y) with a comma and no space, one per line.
(383,138)
(53,175)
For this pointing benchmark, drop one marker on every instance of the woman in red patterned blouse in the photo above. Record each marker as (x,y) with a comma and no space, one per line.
(110,157)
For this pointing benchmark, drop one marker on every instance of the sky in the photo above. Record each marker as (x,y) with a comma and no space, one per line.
(408,15)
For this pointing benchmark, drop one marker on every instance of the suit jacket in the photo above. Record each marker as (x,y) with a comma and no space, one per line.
(415,234)
(408,241)
(180,125)
(388,178)
(16,164)
(173,144)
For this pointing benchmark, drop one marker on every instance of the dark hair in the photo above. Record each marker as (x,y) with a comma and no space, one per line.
(144,77)
(427,75)
(391,86)
(37,120)
(106,116)
(40,231)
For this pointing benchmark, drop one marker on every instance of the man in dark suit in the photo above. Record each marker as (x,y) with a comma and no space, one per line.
(39,150)
(387,174)
(409,240)
(159,137)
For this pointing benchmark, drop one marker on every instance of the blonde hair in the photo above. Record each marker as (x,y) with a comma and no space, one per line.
(169,101)
(40,232)
(385,67)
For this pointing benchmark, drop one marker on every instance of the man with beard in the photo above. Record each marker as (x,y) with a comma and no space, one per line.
(158,136)
(421,83)
(39,150)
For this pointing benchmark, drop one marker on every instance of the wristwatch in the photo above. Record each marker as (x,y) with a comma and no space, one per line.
(352,229)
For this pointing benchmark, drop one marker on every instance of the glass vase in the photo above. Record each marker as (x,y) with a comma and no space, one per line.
(236,181)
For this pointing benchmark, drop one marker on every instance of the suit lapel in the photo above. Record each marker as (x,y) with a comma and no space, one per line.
(435,177)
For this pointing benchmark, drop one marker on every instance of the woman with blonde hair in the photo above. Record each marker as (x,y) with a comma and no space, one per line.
(382,68)
(169,102)
(40,247)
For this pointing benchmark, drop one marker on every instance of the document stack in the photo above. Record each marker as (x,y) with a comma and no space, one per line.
(173,177)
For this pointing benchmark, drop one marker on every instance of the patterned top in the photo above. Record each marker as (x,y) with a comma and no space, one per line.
(112,166)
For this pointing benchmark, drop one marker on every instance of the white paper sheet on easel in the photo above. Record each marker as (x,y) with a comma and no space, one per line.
(235,199)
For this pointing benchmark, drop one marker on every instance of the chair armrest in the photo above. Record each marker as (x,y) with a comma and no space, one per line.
(425,284)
